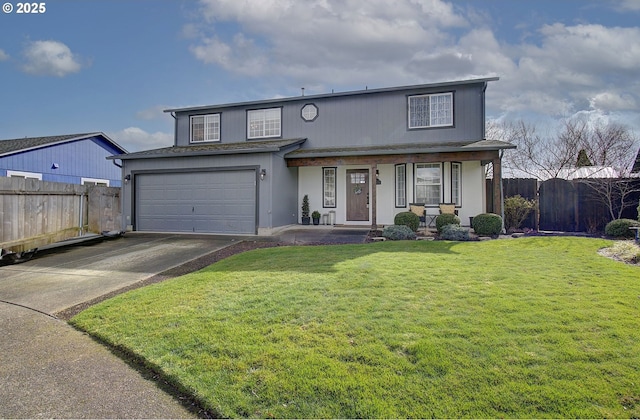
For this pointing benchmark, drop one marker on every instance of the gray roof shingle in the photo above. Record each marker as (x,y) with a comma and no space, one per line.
(213,149)
(11,146)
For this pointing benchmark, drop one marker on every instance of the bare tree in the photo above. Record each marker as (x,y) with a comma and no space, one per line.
(611,147)
(543,157)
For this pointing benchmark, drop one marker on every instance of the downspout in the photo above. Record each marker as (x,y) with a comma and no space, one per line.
(501,154)
(484,112)
(175,128)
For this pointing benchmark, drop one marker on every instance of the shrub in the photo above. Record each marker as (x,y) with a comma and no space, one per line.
(407,218)
(446,219)
(516,211)
(638,210)
(454,233)
(619,228)
(398,233)
(487,224)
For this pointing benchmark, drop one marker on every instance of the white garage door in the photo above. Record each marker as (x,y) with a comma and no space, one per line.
(206,202)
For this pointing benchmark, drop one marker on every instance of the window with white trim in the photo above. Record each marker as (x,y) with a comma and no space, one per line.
(95,182)
(205,128)
(26,175)
(401,185)
(428,181)
(431,110)
(329,187)
(263,123)
(456,183)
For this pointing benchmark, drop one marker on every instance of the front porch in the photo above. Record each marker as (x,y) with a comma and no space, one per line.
(369,190)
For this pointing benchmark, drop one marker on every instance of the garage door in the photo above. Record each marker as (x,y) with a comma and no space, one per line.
(205,202)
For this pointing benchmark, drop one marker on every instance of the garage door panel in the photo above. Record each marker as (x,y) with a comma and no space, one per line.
(208,202)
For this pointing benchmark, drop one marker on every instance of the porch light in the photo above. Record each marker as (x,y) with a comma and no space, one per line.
(263,174)
(127,178)
(378,180)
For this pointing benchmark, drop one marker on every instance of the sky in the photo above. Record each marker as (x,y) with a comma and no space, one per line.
(113,66)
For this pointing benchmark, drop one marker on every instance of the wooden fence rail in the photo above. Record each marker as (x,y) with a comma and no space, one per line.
(36,213)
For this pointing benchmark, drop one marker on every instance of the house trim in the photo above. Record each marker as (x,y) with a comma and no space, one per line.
(309,98)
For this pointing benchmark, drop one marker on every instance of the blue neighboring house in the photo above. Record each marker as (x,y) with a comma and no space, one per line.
(71,158)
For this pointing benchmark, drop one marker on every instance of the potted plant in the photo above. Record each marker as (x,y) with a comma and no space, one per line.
(316,217)
(305,210)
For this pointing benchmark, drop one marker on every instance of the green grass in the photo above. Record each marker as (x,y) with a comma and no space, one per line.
(533,327)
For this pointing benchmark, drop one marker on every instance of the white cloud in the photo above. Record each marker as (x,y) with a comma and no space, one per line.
(554,70)
(3,56)
(135,139)
(152,113)
(50,58)
(627,5)
(611,101)
(320,40)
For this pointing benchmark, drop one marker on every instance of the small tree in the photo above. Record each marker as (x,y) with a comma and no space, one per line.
(305,206)
(583,159)
(516,211)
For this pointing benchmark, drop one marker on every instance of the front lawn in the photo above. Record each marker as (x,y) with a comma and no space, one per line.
(530,327)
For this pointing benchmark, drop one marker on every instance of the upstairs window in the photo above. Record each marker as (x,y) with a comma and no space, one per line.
(263,123)
(431,110)
(205,128)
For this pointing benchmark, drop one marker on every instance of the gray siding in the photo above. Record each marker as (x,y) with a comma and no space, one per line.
(358,120)
(276,195)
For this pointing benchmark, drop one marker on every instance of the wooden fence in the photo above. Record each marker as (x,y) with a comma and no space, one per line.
(569,206)
(35,213)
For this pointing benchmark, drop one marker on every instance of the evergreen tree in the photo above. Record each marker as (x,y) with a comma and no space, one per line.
(583,159)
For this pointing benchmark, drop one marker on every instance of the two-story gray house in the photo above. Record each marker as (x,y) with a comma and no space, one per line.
(363,157)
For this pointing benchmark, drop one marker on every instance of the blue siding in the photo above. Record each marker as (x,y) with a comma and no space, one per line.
(76,160)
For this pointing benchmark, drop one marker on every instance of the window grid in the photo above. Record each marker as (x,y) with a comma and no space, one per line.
(264,123)
(329,187)
(428,183)
(401,185)
(205,128)
(456,183)
(431,110)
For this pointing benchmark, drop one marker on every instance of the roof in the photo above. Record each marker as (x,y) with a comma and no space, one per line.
(335,95)
(12,146)
(588,172)
(397,149)
(214,149)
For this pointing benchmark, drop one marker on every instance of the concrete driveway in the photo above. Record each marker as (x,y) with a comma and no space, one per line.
(50,370)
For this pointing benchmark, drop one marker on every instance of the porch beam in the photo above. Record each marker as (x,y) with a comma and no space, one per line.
(374,197)
(497,186)
(369,160)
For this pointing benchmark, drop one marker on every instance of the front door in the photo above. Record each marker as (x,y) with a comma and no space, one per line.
(357,195)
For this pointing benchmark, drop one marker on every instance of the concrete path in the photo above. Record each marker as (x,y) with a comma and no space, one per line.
(50,370)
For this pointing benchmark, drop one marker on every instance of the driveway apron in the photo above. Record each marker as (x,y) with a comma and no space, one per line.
(50,370)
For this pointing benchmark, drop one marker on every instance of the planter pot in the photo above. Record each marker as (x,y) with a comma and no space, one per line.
(316,221)
(306,220)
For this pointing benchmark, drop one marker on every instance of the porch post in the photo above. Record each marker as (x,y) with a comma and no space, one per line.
(497,186)
(374,196)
